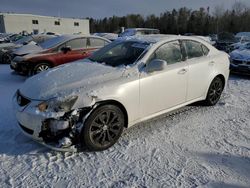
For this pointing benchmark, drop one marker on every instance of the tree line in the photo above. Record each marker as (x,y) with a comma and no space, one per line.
(184,20)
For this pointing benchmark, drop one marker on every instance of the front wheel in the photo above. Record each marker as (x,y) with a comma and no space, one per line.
(103,128)
(214,92)
(41,67)
(6,58)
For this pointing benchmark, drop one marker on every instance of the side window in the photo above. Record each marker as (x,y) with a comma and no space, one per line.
(96,43)
(59,47)
(193,49)
(169,52)
(77,43)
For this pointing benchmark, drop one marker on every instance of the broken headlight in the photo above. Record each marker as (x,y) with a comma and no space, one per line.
(57,105)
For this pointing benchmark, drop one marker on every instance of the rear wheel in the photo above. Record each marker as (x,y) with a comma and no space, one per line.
(41,67)
(214,92)
(103,128)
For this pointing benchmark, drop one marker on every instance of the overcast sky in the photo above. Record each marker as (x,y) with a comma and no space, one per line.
(103,8)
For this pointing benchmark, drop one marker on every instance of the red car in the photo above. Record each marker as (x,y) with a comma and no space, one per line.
(57,51)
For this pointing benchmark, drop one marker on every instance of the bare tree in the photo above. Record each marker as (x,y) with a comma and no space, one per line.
(239,7)
(218,13)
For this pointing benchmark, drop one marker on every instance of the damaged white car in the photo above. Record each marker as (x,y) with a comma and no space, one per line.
(87,104)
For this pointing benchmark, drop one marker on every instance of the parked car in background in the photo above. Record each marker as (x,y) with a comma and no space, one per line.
(225,41)
(239,45)
(242,39)
(109,36)
(240,60)
(6,49)
(4,37)
(139,31)
(207,39)
(60,50)
(87,104)
(243,36)
(214,37)
(10,38)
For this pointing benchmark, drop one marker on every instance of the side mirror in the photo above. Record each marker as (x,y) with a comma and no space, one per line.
(155,65)
(66,49)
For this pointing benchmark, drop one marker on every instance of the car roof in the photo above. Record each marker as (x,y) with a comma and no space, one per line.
(155,38)
(69,37)
(141,29)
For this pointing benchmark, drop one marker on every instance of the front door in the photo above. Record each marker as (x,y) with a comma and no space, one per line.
(161,90)
(78,51)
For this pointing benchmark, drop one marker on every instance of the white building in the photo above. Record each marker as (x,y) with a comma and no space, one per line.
(16,23)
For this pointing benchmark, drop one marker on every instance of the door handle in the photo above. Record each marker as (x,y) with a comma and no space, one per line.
(211,63)
(182,71)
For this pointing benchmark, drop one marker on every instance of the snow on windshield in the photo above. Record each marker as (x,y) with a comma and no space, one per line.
(120,53)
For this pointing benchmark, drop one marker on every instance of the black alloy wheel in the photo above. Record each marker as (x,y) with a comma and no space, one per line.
(103,127)
(214,92)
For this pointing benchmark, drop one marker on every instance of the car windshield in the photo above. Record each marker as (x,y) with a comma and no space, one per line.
(23,40)
(120,53)
(50,43)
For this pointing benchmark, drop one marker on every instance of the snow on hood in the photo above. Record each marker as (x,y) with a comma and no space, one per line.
(27,49)
(242,55)
(6,45)
(69,77)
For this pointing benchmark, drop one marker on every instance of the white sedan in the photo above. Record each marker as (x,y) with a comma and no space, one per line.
(87,104)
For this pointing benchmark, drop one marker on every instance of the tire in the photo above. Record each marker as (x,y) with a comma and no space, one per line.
(40,67)
(214,92)
(6,58)
(103,128)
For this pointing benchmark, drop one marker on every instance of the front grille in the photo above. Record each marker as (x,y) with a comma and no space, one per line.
(21,100)
(236,62)
(25,129)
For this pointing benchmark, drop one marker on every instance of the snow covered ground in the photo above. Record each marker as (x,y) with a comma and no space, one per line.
(201,147)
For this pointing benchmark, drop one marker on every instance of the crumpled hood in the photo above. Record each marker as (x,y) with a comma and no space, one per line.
(28,49)
(69,77)
(242,55)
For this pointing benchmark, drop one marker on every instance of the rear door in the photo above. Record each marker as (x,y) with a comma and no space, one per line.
(200,66)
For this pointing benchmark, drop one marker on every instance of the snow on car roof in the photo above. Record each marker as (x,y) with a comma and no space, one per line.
(155,38)
(58,40)
(147,38)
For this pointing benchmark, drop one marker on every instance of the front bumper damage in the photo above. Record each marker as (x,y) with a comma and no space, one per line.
(58,131)
(20,67)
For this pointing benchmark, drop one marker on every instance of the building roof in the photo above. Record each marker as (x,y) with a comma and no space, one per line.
(33,15)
